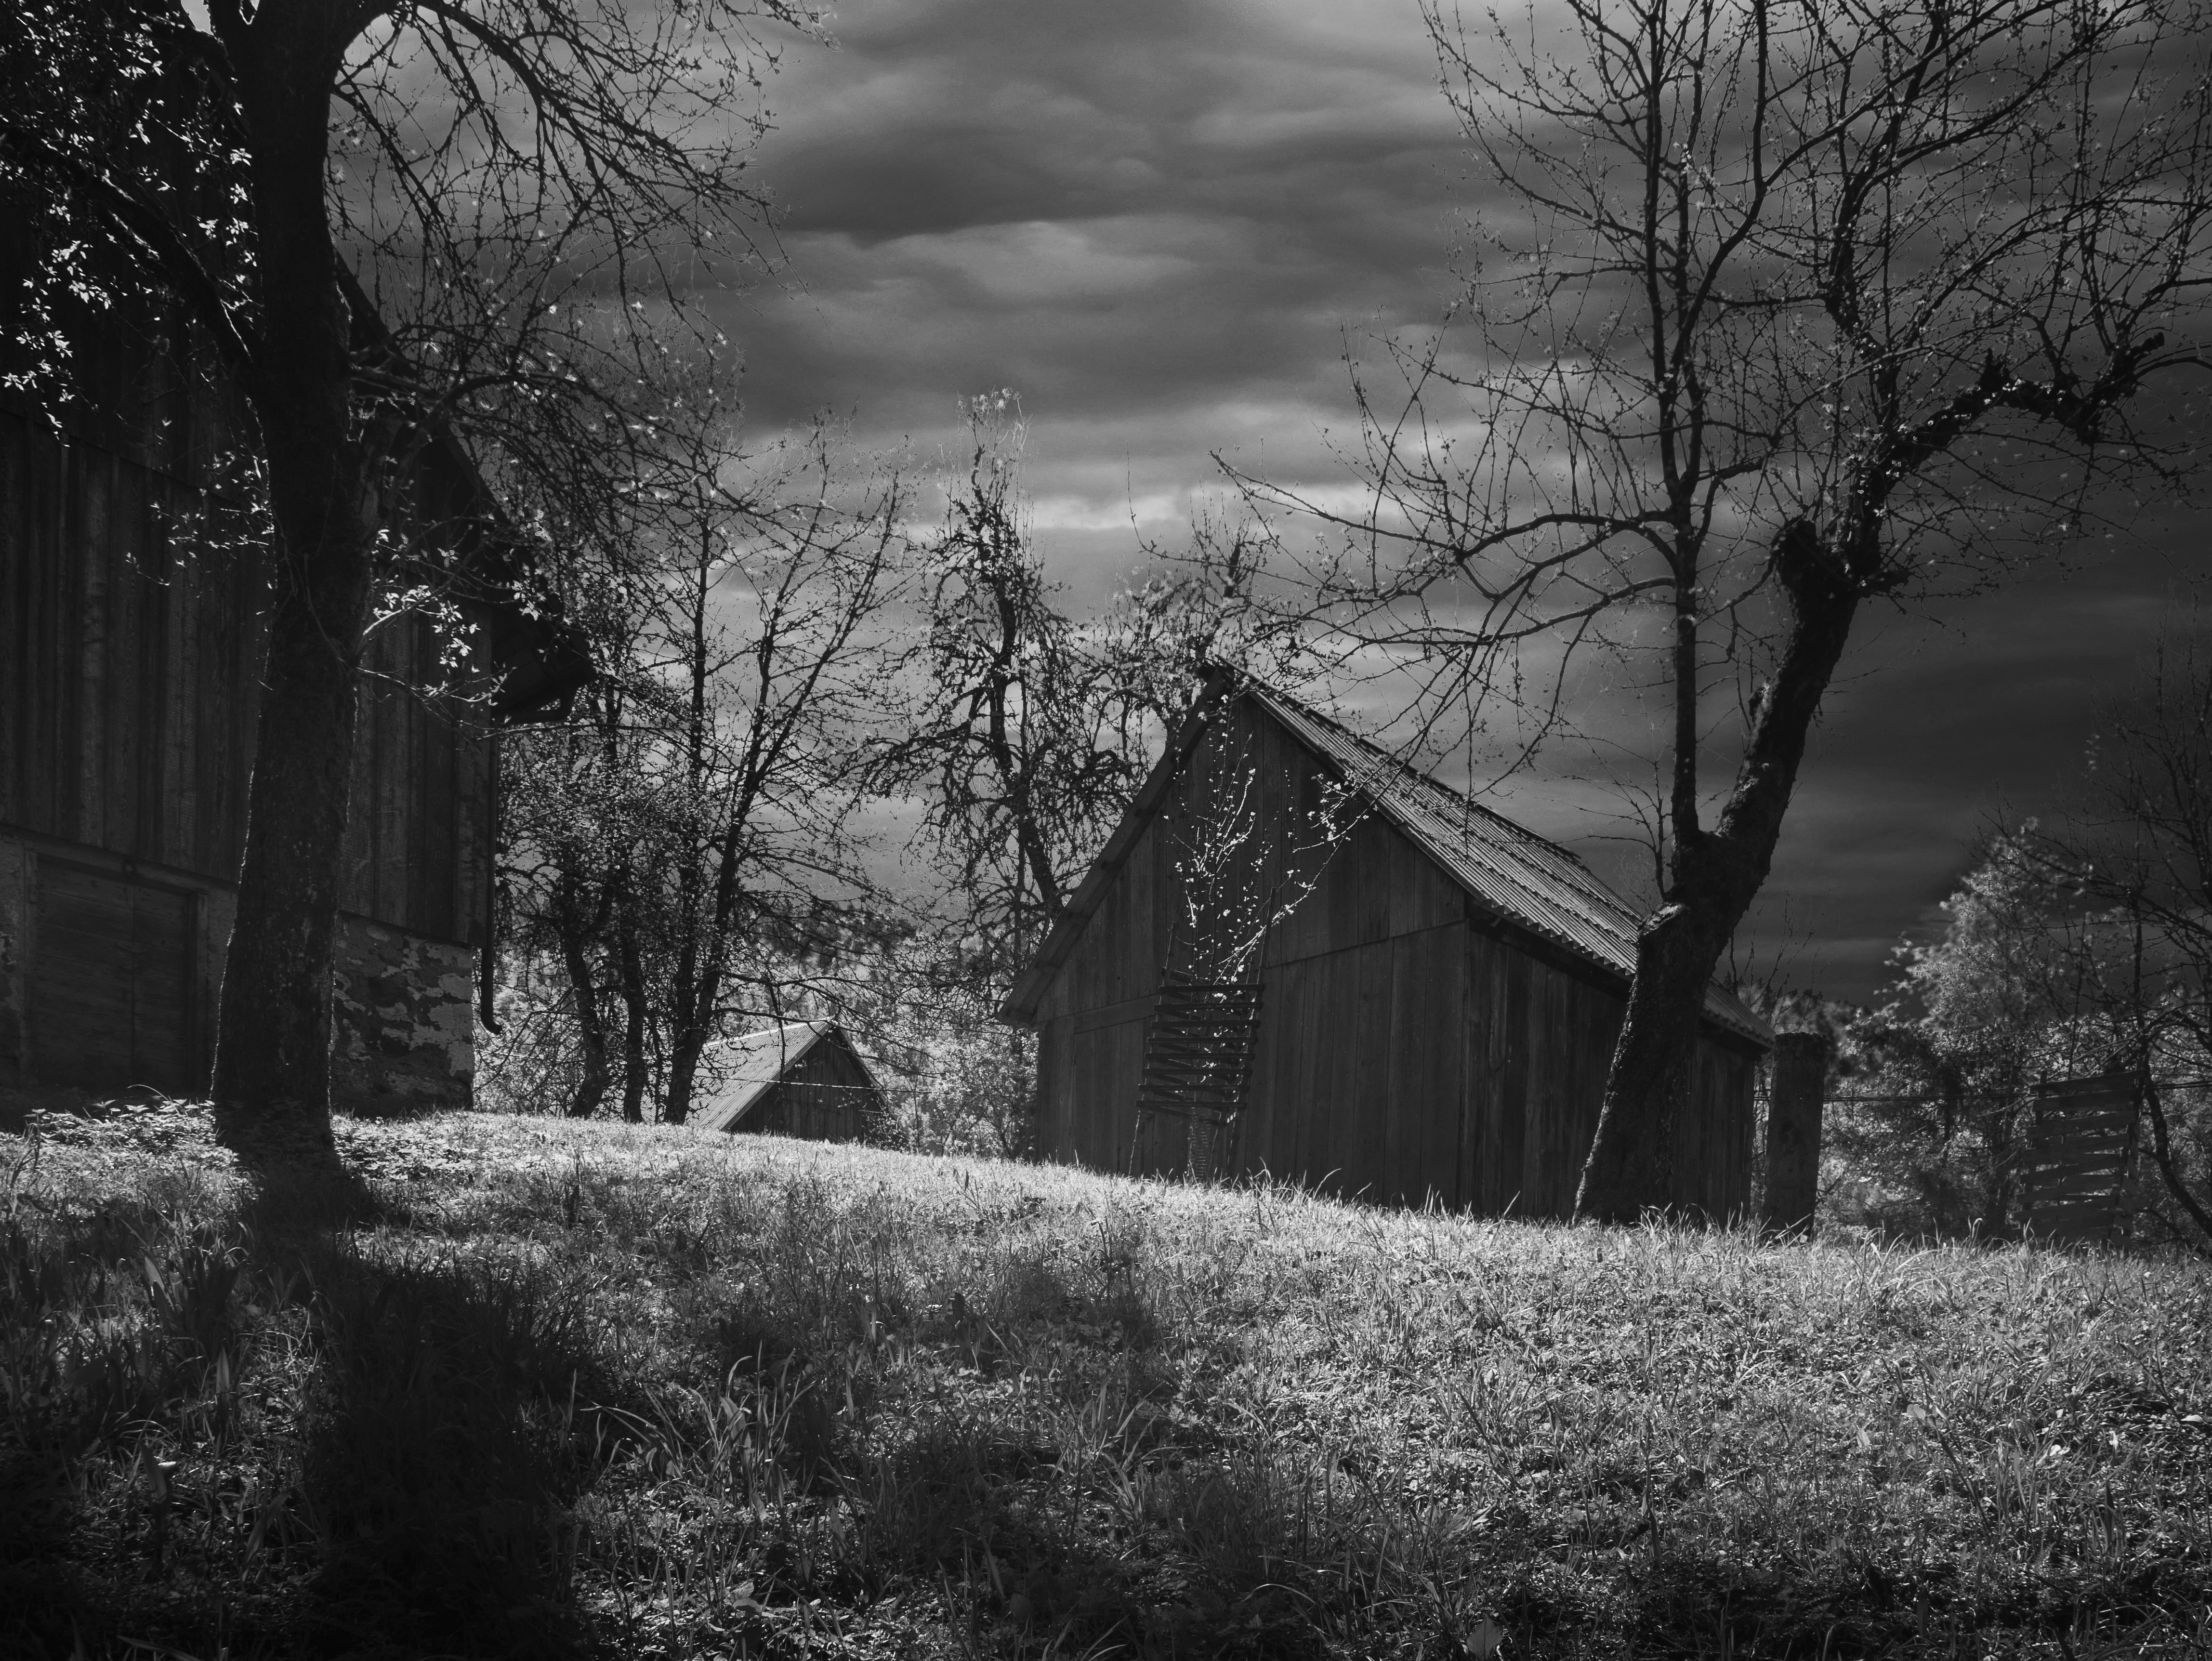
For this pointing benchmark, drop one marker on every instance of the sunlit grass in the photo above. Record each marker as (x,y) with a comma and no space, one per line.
(643,1391)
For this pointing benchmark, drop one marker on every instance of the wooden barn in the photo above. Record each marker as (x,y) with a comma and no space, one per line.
(131,625)
(802,1079)
(1429,1012)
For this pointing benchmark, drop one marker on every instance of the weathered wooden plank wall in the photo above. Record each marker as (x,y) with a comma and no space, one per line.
(826,1097)
(114,1000)
(131,637)
(1407,1047)
(128,638)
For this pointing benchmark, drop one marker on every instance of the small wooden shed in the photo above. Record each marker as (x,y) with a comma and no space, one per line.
(802,1079)
(1435,1017)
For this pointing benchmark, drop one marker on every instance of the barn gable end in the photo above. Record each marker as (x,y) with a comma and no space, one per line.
(803,1079)
(1416,1038)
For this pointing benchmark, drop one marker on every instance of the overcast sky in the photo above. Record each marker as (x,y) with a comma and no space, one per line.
(1161,221)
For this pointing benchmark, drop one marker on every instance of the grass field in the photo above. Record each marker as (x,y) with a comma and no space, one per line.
(554,1390)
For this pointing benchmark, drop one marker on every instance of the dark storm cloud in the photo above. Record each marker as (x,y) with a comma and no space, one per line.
(1161,222)
(1152,221)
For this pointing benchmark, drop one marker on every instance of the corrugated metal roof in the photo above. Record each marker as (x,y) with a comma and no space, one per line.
(749,1064)
(1512,873)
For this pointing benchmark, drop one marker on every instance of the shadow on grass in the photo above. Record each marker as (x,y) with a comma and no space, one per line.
(1122,1550)
(440,1458)
(232,1424)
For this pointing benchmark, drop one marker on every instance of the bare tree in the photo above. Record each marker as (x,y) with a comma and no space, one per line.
(579,814)
(1785,311)
(384,219)
(1245,862)
(1028,740)
(769,631)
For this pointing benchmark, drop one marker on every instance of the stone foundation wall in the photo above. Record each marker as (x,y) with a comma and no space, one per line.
(402,1021)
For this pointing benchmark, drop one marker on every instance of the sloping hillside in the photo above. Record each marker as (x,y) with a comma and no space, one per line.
(573,1389)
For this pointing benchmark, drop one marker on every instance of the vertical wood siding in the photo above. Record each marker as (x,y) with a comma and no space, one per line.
(1406,1049)
(827,1096)
(130,641)
(111,1003)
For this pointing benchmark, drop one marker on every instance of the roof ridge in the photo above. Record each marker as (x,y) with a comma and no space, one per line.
(1579,912)
(1459,798)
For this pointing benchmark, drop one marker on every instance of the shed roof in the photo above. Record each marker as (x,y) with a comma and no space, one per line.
(753,1063)
(1511,873)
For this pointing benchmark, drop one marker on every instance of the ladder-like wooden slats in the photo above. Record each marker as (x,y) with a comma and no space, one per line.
(2077,1159)
(1198,1061)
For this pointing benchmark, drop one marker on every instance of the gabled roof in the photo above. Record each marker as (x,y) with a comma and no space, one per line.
(754,1063)
(1513,874)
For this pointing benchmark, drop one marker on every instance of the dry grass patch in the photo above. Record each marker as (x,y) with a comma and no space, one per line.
(647,1392)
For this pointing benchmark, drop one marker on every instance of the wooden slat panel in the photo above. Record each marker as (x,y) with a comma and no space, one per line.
(472,851)
(2077,1157)
(2084,1185)
(435,900)
(18,549)
(142,694)
(247,639)
(1283,1081)
(1477,983)
(162,1018)
(111,1003)
(44,639)
(130,649)
(1054,1080)
(1407,1107)
(824,1098)
(1509,1158)
(1363,1147)
(1306,1152)
(176,782)
(1401,1106)
(394,772)
(83,817)
(1541,1105)
(121,703)
(1426,1044)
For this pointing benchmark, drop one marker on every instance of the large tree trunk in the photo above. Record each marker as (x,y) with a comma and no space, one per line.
(1714,877)
(273,1033)
(683,1071)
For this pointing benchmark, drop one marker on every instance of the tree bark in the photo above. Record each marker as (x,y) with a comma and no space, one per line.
(591,1024)
(2162,1152)
(699,988)
(683,1069)
(273,1036)
(1714,877)
(631,964)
